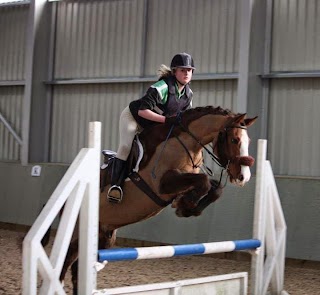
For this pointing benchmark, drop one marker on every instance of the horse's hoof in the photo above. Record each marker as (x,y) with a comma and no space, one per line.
(187,213)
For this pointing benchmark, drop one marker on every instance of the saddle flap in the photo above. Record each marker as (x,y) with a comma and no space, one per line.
(134,159)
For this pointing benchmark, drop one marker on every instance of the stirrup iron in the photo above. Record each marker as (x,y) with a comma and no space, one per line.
(116,194)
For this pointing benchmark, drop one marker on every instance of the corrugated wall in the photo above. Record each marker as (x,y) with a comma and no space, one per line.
(13,22)
(296,35)
(11,109)
(130,39)
(293,129)
(109,38)
(75,106)
(206,29)
(98,39)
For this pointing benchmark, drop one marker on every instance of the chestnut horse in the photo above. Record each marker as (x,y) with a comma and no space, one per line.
(171,168)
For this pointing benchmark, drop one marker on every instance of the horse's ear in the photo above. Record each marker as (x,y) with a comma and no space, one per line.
(239,118)
(250,121)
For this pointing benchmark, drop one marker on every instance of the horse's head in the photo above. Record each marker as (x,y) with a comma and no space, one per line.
(233,149)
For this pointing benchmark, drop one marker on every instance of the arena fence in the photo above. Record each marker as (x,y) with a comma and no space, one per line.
(78,192)
(81,184)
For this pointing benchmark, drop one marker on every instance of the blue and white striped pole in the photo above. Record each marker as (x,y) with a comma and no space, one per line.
(121,254)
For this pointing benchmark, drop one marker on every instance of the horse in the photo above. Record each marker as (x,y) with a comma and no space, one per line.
(171,168)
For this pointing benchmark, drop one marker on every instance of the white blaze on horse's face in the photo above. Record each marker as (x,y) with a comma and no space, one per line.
(244,152)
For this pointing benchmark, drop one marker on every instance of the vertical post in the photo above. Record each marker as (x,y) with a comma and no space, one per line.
(36,12)
(89,215)
(266,70)
(259,220)
(29,267)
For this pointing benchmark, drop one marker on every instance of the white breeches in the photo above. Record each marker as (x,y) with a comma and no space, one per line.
(128,128)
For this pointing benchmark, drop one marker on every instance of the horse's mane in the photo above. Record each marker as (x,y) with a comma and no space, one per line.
(196,113)
(153,136)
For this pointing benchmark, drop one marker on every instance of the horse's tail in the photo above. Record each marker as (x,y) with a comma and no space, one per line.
(164,72)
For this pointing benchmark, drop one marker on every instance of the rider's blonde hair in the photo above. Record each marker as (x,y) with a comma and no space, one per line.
(164,71)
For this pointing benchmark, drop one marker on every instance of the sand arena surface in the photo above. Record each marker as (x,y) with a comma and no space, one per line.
(300,278)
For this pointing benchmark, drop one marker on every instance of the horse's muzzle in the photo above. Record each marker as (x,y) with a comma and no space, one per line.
(244,161)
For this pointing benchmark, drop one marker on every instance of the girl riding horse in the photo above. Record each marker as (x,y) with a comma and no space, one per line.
(179,179)
(163,100)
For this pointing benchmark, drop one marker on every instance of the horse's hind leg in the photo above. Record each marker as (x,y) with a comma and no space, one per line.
(74,276)
(107,238)
(71,258)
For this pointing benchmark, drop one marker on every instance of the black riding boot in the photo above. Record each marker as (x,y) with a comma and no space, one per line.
(117,178)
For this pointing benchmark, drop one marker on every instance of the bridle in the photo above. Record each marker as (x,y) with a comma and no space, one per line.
(222,137)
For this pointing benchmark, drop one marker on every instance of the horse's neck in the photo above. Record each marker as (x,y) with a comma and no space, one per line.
(207,127)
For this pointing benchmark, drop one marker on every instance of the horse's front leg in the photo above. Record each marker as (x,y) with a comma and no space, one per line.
(190,187)
(213,194)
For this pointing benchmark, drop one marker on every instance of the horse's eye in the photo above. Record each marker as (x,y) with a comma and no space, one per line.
(234,140)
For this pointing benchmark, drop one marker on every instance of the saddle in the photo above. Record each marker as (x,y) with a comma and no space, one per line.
(132,163)
(131,170)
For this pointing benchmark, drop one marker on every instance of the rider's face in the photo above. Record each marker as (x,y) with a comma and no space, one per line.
(183,75)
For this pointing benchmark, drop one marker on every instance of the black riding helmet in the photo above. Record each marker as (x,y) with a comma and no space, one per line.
(182,60)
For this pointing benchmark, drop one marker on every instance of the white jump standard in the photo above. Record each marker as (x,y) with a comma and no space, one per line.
(79,191)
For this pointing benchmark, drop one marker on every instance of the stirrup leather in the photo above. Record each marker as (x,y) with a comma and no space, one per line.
(115,194)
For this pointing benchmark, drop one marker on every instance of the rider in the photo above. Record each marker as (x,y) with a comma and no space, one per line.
(167,97)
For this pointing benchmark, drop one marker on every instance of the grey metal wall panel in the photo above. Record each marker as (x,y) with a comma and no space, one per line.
(294,140)
(11,108)
(13,23)
(296,31)
(214,92)
(206,29)
(75,106)
(98,39)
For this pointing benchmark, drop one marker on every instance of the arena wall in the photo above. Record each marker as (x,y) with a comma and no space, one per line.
(65,63)
(23,196)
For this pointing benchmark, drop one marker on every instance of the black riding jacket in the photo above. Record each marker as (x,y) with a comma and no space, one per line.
(162,98)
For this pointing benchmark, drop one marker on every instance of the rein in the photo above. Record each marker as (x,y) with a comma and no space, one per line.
(135,177)
(211,154)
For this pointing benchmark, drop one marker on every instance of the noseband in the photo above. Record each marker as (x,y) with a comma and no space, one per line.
(222,139)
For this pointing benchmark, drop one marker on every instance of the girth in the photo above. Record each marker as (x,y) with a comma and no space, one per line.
(140,183)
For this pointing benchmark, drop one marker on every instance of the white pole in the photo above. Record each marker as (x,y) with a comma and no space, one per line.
(89,215)
(259,220)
